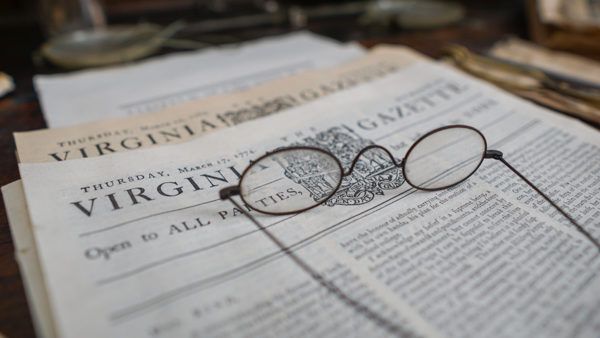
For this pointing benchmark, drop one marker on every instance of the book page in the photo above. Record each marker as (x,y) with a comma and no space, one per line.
(138,244)
(193,119)
(161,82)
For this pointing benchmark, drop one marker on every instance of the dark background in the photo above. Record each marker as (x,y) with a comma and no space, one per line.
(21,35)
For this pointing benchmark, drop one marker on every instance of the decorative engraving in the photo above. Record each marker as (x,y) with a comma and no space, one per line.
(318,173)
(373,174)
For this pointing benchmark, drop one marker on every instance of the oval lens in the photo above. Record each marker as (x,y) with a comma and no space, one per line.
(444,157)
(290,180)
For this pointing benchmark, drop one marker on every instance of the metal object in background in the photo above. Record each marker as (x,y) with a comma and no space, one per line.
(108,45)
(562,93)
(413,14)
(104,45)
(537,77)
(65,16)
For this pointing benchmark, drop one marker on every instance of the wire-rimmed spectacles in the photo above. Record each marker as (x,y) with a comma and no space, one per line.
(276,183)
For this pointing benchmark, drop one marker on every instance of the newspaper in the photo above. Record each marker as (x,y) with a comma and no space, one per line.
(161,82)
(149,250)
(192,119)
(301,88)
(28,260)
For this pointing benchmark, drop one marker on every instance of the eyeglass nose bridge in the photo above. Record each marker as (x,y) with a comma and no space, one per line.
(227,192)
(397,163)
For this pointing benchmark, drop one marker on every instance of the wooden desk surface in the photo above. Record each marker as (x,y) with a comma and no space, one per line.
(20,111)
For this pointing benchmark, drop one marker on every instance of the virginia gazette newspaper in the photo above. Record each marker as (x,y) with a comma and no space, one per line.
(138,244)
(192,119)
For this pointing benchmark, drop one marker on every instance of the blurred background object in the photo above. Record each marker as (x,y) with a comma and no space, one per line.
(212,22)
(6,84)
(564,90)
(568,64)
(66,16)
(571,25)
(412,14)
(106,45)
(216,22)
(80,37)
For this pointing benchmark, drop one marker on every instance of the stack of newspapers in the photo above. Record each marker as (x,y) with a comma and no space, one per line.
(120,232)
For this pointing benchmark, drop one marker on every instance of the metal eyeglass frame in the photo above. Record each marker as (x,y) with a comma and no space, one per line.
(229,192)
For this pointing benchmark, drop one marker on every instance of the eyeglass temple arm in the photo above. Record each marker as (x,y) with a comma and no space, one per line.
(229,192)
(497,155)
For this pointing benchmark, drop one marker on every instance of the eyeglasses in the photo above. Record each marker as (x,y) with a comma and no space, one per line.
(295,179)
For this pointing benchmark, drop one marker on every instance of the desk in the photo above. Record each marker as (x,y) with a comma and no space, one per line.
(20,111)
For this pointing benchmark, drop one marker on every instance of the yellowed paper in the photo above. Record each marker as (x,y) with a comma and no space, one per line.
(193,119)
(26,254)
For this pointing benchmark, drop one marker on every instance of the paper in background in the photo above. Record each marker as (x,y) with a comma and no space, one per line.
(153,85)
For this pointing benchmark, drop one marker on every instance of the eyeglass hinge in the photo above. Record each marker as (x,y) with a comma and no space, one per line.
(225,193)
(495,154)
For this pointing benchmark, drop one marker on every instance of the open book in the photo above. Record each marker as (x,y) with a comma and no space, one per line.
(138,244)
